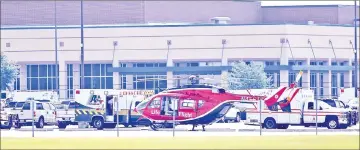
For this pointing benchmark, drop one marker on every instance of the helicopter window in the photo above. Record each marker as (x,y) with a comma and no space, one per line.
(201,103)
(188,103)
(155,103)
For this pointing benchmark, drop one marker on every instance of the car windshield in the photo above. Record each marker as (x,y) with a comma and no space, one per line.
(59,106)
(11,105)
(143,104)
(330,102)
(65,102)
(19,104)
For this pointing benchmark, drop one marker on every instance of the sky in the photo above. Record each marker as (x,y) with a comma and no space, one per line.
(282,3)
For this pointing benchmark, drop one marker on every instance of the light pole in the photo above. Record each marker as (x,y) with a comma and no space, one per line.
(82,47)
(316,101)
(223,42)
(356,50)
(56,54)
(168,50)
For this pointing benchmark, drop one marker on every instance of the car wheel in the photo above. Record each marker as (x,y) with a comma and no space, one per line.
(332,124)
(98,123)
(40,123)
(270,123)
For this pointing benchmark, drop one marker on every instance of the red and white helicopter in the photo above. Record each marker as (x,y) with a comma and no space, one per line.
(197,104)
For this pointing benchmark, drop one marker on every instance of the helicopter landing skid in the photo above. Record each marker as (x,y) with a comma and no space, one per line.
(157,126)
(193,128)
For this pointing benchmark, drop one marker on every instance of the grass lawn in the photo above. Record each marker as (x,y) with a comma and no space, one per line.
(265,142)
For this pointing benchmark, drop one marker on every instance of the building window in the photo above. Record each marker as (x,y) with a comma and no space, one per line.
(334,85)
(321,84)
(342,80)
(149,82)
(17,81)
(70,81)
(292,78)
(313,81)
(148,64)
(353,78)
(271,76)
(278,79)
(41,77)
(96,76)
(269,63)
(123,81)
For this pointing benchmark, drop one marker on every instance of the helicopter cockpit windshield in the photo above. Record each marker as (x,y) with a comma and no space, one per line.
(144,103)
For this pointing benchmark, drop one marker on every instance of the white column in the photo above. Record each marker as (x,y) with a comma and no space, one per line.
(76,76)
(327,80)
(306,76)
(129,78)
(170,74)
(23,77)
(129,82)
(62,79)
(284,74)
(348,76)
(116,77)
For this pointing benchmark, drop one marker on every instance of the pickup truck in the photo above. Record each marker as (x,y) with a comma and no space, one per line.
(302,114)
(65,114)
(44,114)
(5,119)
(335,103)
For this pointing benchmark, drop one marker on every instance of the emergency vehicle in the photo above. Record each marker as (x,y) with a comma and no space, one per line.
(238,110)
(301,112)
(354,114)
(39,95)
(98,107)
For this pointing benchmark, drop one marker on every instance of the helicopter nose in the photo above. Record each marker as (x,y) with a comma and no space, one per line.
(140,111)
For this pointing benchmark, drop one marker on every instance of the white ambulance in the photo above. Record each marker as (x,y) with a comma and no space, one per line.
(300,112)
(97,107)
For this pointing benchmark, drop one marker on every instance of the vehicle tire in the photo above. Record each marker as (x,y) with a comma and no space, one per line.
(16,122)
(40,123)
(283,126)
(270,123)
(332,123)
(98,123)
(9,124)
(62,125)
(126,125)
(306,125)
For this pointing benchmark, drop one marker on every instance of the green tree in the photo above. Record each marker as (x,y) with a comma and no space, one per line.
(252,76)
(9,72)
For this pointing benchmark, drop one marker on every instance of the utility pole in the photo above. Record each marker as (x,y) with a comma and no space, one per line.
(82,48)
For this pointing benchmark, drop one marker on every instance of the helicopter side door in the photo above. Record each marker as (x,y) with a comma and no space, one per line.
(187,109)
(168,105)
